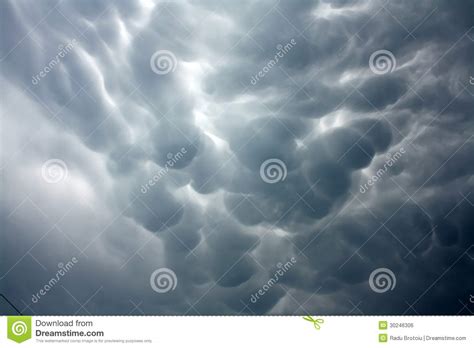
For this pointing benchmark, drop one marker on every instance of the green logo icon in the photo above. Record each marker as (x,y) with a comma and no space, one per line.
(383,338)
(19,328)
(383,325)
(316,322)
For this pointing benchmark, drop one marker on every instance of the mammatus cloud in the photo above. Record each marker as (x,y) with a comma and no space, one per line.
(270,157)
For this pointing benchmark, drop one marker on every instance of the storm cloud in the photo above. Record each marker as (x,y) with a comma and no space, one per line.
(215,141)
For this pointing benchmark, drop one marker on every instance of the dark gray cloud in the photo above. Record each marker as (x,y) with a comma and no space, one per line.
(223,140)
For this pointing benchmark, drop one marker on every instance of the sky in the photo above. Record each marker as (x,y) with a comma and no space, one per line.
(237,158)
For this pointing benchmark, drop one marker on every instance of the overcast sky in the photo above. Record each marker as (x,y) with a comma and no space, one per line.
(237,157)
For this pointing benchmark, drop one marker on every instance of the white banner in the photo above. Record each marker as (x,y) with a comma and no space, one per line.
(238,331)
